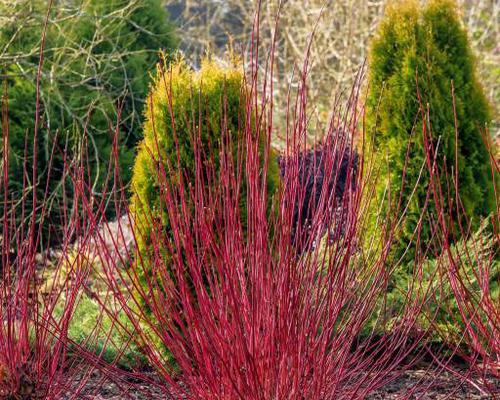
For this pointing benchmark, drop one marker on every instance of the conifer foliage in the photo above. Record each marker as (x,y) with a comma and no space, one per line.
(96,58)
(422,71)
(187,112)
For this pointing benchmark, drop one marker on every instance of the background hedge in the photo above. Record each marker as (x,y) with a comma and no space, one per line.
(96,59)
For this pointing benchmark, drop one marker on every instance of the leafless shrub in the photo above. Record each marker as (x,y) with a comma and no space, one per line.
(342,29)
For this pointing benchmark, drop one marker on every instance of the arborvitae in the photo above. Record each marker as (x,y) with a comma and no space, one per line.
(426,50)
(211,99)
(97,55)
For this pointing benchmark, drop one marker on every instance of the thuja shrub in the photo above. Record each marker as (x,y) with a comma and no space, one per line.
(422,72)
(96,58)
(187,109)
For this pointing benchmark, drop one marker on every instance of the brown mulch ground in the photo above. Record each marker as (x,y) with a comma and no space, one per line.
(412,384)
(422,386)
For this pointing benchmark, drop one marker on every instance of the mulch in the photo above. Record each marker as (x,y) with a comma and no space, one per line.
(412,384)
(420,385)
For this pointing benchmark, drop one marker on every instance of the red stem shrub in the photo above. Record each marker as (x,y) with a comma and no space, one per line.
(33,342)
(243,312)
(263,304)
(37,359)
(470,269)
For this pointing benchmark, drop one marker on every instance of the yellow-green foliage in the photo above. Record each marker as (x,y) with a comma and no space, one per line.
(431,43)
(186,100)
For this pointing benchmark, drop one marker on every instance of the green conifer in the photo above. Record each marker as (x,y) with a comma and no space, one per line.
(426,51)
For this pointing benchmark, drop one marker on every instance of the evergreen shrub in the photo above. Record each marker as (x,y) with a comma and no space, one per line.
(185,104)
(425,51)
(96,57)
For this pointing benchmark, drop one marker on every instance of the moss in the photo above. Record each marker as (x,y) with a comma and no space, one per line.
(99,333)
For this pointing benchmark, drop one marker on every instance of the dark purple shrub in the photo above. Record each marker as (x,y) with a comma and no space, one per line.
(336,149)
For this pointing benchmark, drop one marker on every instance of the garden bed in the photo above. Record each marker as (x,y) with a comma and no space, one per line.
(429,387)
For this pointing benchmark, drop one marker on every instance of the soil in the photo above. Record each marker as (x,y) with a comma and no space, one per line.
(412,384)
(422,386)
